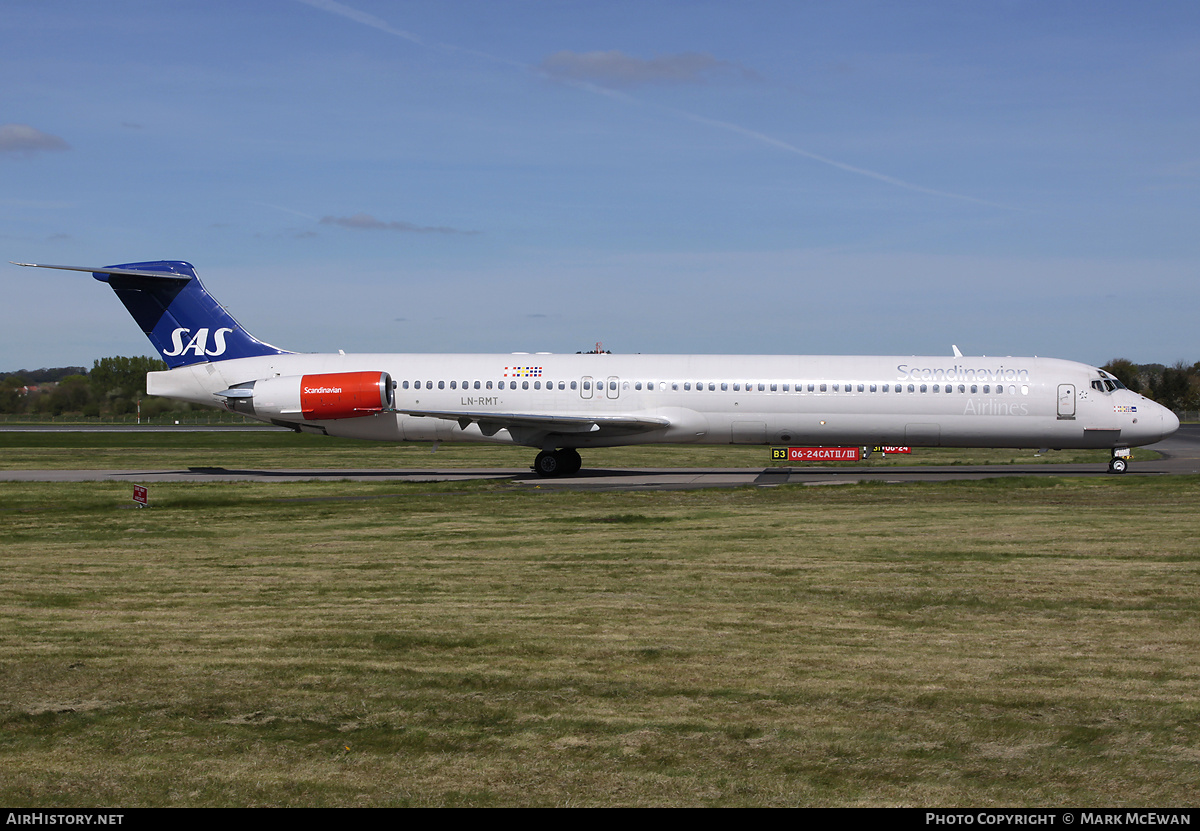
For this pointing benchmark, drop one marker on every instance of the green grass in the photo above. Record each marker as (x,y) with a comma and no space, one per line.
(274,449)
(1017,642)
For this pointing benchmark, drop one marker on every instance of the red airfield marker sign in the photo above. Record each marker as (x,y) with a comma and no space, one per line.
(829,454)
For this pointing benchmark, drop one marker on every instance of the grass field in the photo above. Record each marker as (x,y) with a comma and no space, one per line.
(1011,642)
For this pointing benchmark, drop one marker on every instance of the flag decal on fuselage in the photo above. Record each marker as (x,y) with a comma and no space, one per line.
(522,372)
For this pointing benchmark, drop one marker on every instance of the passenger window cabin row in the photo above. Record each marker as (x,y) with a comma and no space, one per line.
(723,386)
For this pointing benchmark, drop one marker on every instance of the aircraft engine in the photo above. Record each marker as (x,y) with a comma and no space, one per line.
(328,395)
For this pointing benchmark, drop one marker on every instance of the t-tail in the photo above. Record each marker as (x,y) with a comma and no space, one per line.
(182,320)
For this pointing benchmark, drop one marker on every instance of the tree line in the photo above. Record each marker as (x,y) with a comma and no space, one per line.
(114,386)
(1176,386)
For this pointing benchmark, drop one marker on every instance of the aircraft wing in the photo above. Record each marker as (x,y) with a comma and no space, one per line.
(491,422)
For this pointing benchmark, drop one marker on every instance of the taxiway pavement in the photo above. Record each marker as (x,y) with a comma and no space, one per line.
(1181,456)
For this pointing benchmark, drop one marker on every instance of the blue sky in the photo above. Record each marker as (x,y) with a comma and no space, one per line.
(770,177)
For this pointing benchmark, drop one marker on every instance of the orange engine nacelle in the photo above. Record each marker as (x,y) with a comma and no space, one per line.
(324,396)
(345,394)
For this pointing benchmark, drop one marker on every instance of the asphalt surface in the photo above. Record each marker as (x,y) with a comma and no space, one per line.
(1181,455)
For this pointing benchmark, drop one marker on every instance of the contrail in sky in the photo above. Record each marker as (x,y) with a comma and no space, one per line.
(334,7)
(849,168)
(362,17)
(285,210)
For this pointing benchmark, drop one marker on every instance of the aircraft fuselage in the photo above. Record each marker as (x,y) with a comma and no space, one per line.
(720,399)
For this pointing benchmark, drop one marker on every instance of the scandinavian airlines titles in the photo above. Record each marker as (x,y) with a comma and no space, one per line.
(961,373)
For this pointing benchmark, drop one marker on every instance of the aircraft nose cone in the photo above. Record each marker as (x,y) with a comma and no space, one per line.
(1170,422)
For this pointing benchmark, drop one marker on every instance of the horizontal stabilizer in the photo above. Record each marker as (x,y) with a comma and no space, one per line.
(121,272)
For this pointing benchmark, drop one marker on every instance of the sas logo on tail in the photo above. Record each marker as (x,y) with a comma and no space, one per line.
(198,345)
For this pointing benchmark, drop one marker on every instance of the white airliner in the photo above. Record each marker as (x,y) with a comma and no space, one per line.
(560,404)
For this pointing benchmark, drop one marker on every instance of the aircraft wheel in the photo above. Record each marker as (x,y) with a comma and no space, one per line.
(548,463)
(569,458)
(1118,466)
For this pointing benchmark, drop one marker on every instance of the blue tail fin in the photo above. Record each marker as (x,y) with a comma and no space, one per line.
(182,320)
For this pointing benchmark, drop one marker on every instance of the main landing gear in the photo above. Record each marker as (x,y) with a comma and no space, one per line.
(1119,463)
(557,462)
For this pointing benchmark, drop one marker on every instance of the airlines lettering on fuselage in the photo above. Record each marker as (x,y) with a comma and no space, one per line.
(991,407)
(198,345)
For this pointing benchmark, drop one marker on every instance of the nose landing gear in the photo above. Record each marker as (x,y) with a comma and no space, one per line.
(1119,463)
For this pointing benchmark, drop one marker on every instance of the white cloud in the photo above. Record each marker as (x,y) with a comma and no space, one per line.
(23,140)
(615,68)
(366,222)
